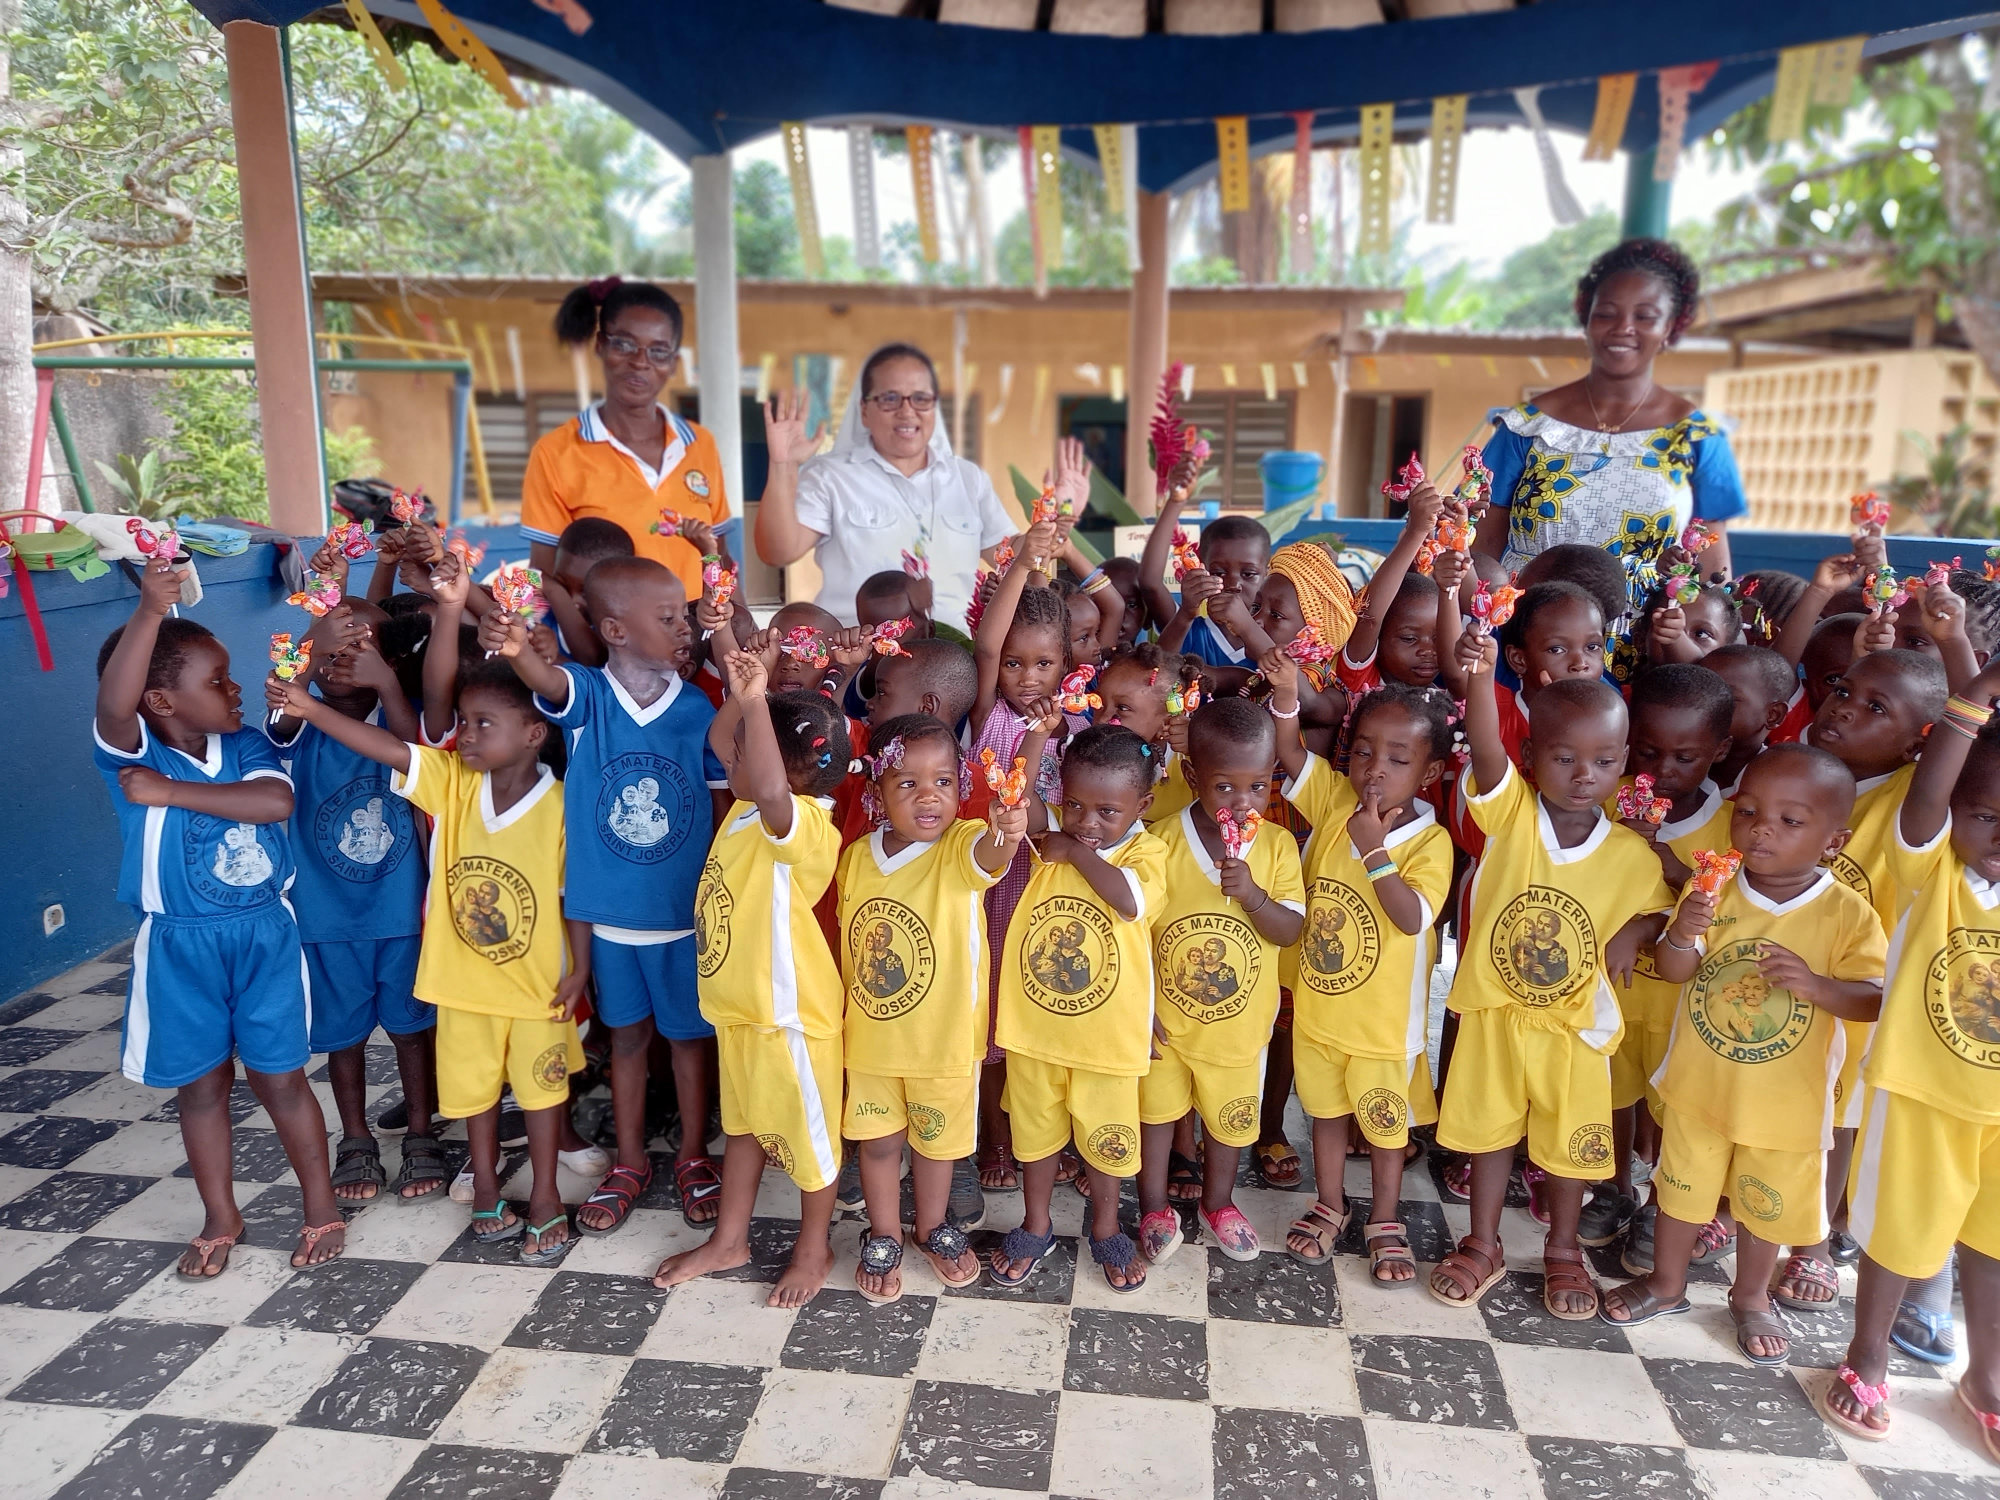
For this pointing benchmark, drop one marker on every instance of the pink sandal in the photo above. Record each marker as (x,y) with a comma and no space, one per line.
(1234,1236)
(1870,1398)
(1989,1424)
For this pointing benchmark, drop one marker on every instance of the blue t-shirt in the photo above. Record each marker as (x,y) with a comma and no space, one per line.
(636,799)
(1206,641)
(361,874)
(188,864)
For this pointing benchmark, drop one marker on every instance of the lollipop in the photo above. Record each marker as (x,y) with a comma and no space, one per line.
(1453,534)
(1407,479)
(803,643)
(1003,555)
(887,638)
(669,523)
(1074,695)
(351,537)
(1682,589)
(718,579)
(1426,558)
(1638,801)
(1048,508)
(1475,491)
(165,544)
(1501,610)
(1697,539)
(1992,569)
(406,509)
(517,589)
(289,661)
(1938,575)
(1183,699)
(1009,787)
(1187,556)
(1870,509)
(1238,834)
(318,597)
(1882,590)
(468,554)
(1712,870)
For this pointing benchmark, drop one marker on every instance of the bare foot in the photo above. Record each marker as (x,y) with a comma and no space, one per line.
(320,1243)
(712,1254)
(804,1276)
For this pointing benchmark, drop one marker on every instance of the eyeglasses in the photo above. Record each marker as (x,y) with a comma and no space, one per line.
(659,354)
(888,402)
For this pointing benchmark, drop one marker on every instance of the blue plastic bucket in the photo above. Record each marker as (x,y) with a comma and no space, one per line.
(1289,477)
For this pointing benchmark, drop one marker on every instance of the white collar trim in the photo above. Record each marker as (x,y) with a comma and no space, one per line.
(1557,853)
(630,704)
(1764,903)
(544,779)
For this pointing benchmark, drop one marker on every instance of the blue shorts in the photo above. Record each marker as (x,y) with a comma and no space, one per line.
(656,980)
(358,986)
(204,988)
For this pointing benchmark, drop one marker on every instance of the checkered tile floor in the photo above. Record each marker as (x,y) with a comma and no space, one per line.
(422,1365)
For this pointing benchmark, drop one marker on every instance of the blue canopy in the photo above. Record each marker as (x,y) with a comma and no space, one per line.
(701,77)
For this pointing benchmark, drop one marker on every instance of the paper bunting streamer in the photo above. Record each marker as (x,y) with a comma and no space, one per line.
(520,370)
(1791,92)
(574,16)
(1562,202)
(1839,63)
(1676,86)
(386,62)
(1048,191)
(1607,121)
(1229,376)
(1006,389)
(1117,382)
(1378,129)
(471,51)
(1232,162)
(1187,382)
(923,185)
(1299,374)
(1038,249)
(1270,374)
(1300,209)
(861,187)
(1118,156)
(804,212)
(1447,145)
(483,337)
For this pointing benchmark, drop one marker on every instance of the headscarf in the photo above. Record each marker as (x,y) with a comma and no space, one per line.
(852,438)
(1325,599)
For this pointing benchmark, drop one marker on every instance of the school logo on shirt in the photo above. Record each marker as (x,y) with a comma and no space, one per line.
(1238,1115)
(1341,942)
(1211,962)
(1069,961)
(645,807)
(492,906)
(1757,1198)
(1590,1146)
(1382,1112)
(1737,1011)
(890,956)
(1112,1147)
(926,1122)
(1849,873)
(226,863)
(777,1152)
(697,483)
(1544,946)
(712,905)
(362,832)
(552,1067)
(1962,996)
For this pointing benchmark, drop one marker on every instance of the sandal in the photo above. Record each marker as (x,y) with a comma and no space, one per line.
(1020,1245)
(507,1230)
(1536,1181)
(1639,1304)
(998,1171)
(1869,1398)
(1323,1226)
(309,1238)
(1069,1168)
(1396,1252)
(618,1192)
(357,1162)
(1922,1334)
(1803,1270)
(206,1250)
(1465,1275)
(1455,1182)
(1716,1241)
(700,1185)
(1989,1423)
(1761,1324)
(944,1247)
(1279,1166)
(881,1254)
(1160,1235)
(1118,1253)
(1183,1179)
(1564,1271)
(423,1162)
(1234,1236)
(544,1253)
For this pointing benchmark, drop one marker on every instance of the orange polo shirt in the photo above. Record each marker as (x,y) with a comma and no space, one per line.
(581,470)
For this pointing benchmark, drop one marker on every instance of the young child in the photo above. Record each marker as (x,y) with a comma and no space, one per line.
(584,543)
(1235,555)
(502,966)
(914,958)
(1217,935)
(934,677)
(1395,631)
(216,969)
(1076,1001)
(1762,688)
(1689,631)
(1561,901)
(798,673)
(360,903)
(644,783)
(1136,619)
(1769,966)
(894,595)
(1379,865)
(768,984)
(1925,1177)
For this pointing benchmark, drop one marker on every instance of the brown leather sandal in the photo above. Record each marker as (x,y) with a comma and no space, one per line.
(1471,1271)
(1564,1271)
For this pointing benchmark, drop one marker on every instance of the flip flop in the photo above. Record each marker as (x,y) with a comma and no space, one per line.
(498,1236)
(1280,1166)
(1760,1325)
(1807,1270)
(1020,1245)
(1869,1398)
(1922,1334)
(943,1247)
(1989,1423)
(207,1248)
(1116,1252)
(545,1254)
(880,1254)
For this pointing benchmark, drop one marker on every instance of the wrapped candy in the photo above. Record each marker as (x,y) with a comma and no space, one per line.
(1453,534)
(1306,647)
(1712,870)
(1883,591)
(887,638)
(517,589)
(352,539)
(1682,589)
(289,660)
(468,553)
(983,585)
(1184,698)
(803,643)
(1697,539)
(1869,509)
(165,544)
(1427,553)
(1638,801)
(1491,608)
(669,523)
(1003,555)
(319,596)
(1408,478)
(1074,695)
(1475,491)
(1992,568)
(1938,574)
(1048,508)
(718,579)
(406,509)
(1238,834)
(917,562)
(1009,786)
(1187,555)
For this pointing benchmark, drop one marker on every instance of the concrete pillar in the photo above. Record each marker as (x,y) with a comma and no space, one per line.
(721,361)
(1646,202)
(1148,359)
(274,258)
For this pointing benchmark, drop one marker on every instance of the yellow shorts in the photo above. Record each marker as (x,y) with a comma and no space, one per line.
(1510,1077)
(783,1087)
(1847,1089)
(1047,1104)
(1639,1055)
(1922,1180)
(1228,1098)
(941,1114)
(477,1053)
(1778,1196)
(1386,1097)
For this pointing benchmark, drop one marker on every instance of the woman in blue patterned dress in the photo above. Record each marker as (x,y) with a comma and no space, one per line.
(1615,460)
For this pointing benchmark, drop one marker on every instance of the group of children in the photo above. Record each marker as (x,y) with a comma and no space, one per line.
(876,891)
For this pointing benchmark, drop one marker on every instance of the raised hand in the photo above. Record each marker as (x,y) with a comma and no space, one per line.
(501,634)
(1072,474)
(748,676)
(282,697)
(160,586)
(785,428)
(1476,653)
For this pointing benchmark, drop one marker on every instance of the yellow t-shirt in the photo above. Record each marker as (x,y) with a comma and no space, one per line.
(494,942)
(1172,795)
(1650,1000)
(914,955)
(1863,862)
(1754,1063)
(1076,979)
(759,951)
(1938,1040)
(1364,985)
(1541,914)
(1217,975)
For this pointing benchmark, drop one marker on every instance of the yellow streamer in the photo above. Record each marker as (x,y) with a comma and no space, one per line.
(1270,374)
(1371,369)
(1048,191)
(1299,374)
(1447,143)
(1607,122)
(1491,364)
(1791,92)
(386,62)
(1111,161)
(1839,62)
(1232,165)
(484,340)
(1117,382)
(1229,375)
(1378,130)
(471,51)
(804,211)
(767,370)
(922,166)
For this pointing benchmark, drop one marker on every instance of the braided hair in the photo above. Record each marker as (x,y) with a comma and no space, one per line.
(1430,706)
(1982,609)
(812,738)
(1765,598)
(1044,609)
(1659,258)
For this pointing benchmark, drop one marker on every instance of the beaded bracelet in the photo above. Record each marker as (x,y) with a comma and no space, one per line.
(1279,713)
(1377,872)
(1964,708)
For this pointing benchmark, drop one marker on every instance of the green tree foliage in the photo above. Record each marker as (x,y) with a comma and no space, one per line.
(1536,285)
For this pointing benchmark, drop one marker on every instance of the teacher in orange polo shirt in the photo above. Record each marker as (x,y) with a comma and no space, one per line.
(626,458)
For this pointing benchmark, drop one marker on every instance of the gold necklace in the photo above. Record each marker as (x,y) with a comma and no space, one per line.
(1605,431)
